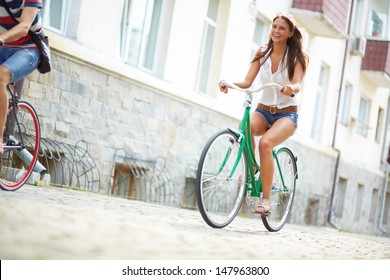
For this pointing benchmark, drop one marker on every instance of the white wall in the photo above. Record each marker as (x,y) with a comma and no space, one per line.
(185,41)
(97,24)
(98,43)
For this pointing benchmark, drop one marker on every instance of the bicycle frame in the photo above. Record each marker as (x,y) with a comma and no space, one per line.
(226,174)
(244,136)
(12,110)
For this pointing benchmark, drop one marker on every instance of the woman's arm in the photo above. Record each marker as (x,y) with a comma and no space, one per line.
(249,78)
(296,81)
(21,29)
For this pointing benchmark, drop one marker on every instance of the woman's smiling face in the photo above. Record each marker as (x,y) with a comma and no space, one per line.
(280,31)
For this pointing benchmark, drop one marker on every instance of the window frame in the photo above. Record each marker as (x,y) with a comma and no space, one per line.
(363,118)
(260,33)
(360,191)
(341,195)
(345,113)
(70,12)
(319,108)
(379,125)
(206,49)
(384,17)
(373,207)
(148,44)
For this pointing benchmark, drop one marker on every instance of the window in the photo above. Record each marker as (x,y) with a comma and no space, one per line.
(374,204)
(363,117)
(340,197)
(127,184)
(379,125)
(358,29)
(205,55)
(359,202)
(258,36)
(379,21)
(140,179)
(346,105)
(139,32)
(319,109)
(189,197)
(57,14)
(386,210)
(312,211)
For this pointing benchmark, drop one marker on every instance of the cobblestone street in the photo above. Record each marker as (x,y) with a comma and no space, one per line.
(54,223)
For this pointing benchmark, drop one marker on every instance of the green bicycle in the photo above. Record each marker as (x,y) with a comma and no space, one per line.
(225,175)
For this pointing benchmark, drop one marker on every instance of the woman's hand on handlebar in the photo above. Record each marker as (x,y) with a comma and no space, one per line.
(223,87)
(288,90)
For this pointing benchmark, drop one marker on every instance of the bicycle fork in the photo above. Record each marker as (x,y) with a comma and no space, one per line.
(24,154)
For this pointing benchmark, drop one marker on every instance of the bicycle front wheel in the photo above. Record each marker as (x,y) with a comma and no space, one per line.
(283,190)
(21,138)
(219,190)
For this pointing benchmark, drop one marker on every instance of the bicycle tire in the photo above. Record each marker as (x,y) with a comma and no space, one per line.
(22,139)
(220,198)
(282,198)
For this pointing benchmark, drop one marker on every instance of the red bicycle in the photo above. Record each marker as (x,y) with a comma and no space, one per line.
(21,138)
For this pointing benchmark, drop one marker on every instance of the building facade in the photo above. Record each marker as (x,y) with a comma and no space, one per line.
(137,82)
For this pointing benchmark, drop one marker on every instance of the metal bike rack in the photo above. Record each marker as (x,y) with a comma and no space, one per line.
(70,165)
(143,179)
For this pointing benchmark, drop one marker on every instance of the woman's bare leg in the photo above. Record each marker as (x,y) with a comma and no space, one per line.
(279,132)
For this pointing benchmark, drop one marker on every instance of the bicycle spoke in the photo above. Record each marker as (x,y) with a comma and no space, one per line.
(219,196)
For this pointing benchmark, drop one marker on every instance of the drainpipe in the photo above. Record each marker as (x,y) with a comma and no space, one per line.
(334,189)
(387,166)
(332,195)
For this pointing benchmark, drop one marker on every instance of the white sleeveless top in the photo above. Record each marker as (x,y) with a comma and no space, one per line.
(272,96)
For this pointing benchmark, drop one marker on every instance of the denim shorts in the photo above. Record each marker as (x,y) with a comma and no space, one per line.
(272,118)
(20,62)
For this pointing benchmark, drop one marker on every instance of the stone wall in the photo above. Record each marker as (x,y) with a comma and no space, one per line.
(313,187)
(77,101)
(362,201)
(360,212)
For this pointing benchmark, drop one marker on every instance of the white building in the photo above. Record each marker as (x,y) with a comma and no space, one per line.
(162,59)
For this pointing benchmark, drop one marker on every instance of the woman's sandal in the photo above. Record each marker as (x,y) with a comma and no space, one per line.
(263,208)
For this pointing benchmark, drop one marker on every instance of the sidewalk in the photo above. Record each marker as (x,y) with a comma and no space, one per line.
(59,223)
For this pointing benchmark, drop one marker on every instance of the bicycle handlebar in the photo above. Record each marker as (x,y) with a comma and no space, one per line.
(249,91)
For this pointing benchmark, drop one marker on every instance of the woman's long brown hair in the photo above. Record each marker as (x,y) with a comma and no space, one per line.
(294,46)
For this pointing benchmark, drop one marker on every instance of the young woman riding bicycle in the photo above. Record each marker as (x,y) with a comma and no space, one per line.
(280,61)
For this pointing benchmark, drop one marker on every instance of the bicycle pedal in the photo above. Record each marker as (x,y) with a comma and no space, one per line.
(266,214)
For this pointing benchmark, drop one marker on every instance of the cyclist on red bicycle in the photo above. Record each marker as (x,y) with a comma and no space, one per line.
(19,56)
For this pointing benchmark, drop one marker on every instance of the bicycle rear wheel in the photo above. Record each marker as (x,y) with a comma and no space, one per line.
(282,195)
(220,195)
(21,138)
